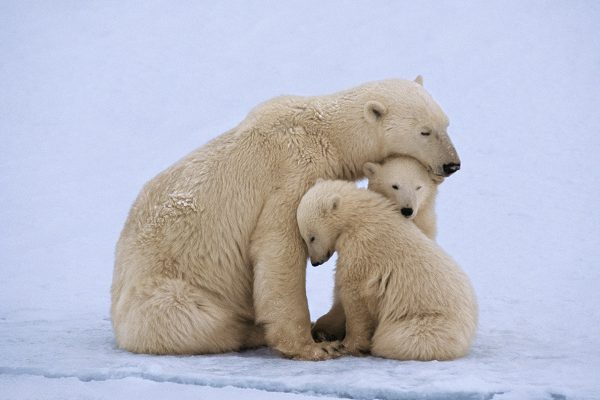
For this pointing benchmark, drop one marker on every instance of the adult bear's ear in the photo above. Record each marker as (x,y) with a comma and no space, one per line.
(419,80)
(370,169)
(374,111)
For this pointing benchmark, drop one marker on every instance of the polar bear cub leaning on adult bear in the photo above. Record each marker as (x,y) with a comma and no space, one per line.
(403,296)
(407,183)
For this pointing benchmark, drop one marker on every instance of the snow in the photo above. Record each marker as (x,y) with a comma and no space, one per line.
(98,97)
(36,387)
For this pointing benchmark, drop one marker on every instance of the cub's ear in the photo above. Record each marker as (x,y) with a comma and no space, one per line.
(374,111)
(329,205)
(334,203)
(370,169)
(419,80)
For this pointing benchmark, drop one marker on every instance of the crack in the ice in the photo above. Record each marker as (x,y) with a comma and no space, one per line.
(315,390)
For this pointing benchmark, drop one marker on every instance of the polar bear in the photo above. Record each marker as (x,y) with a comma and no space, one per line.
(210,258)
(403,296)
(410,186)
(407,183)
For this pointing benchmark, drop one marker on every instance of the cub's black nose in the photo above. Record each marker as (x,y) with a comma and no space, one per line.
(407,212)
(451,168)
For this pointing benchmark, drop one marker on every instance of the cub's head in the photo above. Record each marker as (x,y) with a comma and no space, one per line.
(411,123)
(319,221)
(403,180)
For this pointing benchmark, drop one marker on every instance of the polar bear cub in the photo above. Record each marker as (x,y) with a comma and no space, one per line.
(406,182)
(403,296)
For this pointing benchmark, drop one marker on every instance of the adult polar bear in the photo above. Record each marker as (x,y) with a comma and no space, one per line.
(211,259)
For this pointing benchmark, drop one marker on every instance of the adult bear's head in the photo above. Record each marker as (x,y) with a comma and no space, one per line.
(409,122)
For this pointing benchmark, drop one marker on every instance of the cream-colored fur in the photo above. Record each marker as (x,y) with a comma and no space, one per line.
(403,296)
(407,183)
(211,259)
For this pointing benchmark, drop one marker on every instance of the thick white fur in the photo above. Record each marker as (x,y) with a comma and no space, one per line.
(407,183)
(403,296)
(211,259)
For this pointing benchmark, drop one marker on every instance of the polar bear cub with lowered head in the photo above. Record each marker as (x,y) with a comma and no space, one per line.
(403,296)
(406,182)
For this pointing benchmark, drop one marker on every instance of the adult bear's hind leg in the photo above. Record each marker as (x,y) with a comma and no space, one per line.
(170,316)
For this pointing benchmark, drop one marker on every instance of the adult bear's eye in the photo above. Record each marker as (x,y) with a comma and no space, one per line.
(419,187)
(425,133)
(395,187)
(312,239)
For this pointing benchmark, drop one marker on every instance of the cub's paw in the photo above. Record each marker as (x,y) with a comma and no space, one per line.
(357,348)
(323,336)
(315,351)
(323,333)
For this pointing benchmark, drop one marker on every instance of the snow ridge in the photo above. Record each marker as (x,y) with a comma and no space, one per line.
(84,348)
(316,389)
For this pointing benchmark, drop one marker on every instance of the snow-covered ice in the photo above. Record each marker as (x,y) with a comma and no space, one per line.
(98,97)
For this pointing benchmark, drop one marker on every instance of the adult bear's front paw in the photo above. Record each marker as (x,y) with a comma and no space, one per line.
(314,351)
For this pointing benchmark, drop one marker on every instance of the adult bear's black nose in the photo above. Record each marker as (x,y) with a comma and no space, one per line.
(315,263)
(451,168)
(407,212)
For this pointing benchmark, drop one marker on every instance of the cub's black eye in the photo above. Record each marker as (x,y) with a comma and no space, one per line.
(312,239)
(425,133)
(395,187)
(419,187)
